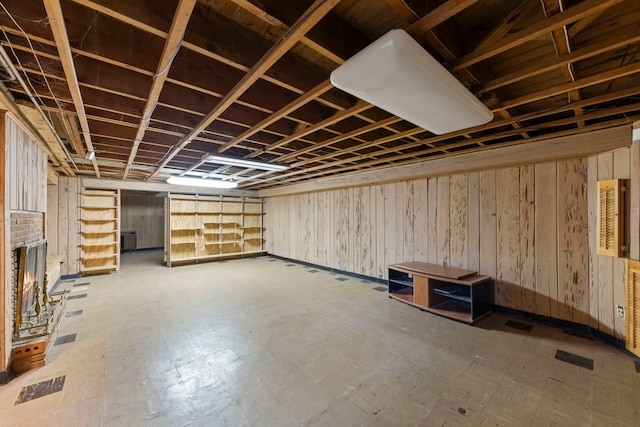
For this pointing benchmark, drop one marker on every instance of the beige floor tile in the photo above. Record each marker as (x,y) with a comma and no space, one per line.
(257,343)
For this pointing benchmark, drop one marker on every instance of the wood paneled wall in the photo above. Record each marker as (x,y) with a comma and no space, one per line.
(24,171)
(64,239)
(607,274)
(145,216)
(526,226)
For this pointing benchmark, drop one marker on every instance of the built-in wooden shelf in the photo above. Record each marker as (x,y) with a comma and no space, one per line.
(216,225)
(100,213)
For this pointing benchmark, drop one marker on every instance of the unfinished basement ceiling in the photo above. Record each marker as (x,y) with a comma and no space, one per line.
(250,79)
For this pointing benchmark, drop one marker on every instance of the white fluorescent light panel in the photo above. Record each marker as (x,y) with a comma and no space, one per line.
(201,182)
(230,161)
(396,74)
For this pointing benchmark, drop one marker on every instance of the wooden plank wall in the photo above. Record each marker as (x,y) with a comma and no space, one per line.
(68,226)
(525,226)
(145,216)
(607,274)
(26,170)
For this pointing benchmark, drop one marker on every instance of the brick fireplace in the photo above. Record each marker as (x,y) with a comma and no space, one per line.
(26,227)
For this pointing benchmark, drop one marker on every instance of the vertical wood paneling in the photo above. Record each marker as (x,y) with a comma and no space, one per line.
(63,223)
(321,256)
(27,170)
(399,205)
(527,239)
(634,199)
(443,231)
(14,155)
(546,250)
(408,228)
(329,235)
(606,314)
(573,245)
(74,225)
(432,220)
(488,219)
(381,249)
(302,219)
(350,234)
(473,221)
(458,220)
(528,227)
(621,170)
(145,216)
(389,222)
(52,219)
(420,220)
(592,212)
(311,224)
(341,200)
(362,230)
(508,291)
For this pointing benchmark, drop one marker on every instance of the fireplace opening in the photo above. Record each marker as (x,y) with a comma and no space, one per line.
(32,295)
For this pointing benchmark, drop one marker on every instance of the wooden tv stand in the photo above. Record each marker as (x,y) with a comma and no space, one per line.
(459,294)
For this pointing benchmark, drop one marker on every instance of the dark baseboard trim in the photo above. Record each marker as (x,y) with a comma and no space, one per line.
(565,324)
(5,376)
(71,276)
(332,270)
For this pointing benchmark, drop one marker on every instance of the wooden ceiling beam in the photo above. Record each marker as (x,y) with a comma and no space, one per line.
(70,124)
(605,76)
(343,137)
(398,160)
(489,161)
(333,33)
(272,21)
(171,47)
(124,66)
(402,9)
(508,23)
(56,20)
(185,127)
(572,14)
(562,45)
(339,116)
(317,10)
(605,45)
(447,10)
(253,48)
(282,113)
(483,128)
(423,29)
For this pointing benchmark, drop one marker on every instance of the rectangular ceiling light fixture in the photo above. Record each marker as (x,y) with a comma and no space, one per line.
(201,182)
(230,161)
(396,74)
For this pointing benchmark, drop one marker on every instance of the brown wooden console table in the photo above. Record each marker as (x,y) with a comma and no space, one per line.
(459,294)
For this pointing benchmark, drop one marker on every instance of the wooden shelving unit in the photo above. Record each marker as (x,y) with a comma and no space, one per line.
(99,230)
(207,228)
(455,293)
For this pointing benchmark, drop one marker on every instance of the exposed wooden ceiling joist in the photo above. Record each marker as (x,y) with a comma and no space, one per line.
(541,75)
(56,19)
(171,46)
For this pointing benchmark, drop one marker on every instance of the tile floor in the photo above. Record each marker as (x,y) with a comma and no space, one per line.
(256,342)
